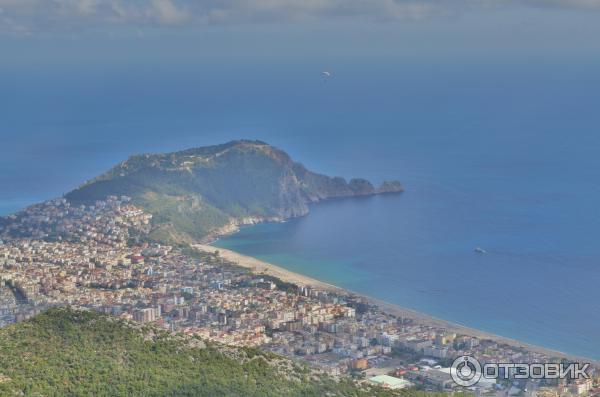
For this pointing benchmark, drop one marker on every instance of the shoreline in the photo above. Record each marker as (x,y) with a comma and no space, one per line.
(261,267)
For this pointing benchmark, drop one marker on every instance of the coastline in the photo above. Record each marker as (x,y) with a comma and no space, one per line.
(261,267)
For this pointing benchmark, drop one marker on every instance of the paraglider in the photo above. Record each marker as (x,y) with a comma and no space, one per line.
(326,76)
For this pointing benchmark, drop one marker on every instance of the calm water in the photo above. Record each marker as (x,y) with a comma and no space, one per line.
(496,154)
(524,287)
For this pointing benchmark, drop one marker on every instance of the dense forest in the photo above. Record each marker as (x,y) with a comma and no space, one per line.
(66,352)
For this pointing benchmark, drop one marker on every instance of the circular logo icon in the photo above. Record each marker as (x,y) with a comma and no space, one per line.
(465,371)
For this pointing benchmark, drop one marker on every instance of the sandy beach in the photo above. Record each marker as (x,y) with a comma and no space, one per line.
(262,267)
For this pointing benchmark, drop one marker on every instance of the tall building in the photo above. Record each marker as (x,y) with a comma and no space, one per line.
(146,315)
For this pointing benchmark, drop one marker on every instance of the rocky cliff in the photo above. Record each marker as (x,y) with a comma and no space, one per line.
(198,193)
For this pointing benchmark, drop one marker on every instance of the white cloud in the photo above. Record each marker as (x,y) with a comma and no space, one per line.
(580,4)
(56,15)
(166,12)
(288,10)
(86,7)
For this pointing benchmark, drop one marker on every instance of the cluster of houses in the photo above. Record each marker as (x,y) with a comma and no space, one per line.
(57,254)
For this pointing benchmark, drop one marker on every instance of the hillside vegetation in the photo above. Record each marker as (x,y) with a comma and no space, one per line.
(66,352)
(198,193)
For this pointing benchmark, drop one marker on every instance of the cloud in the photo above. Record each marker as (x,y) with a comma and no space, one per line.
(78,15)
(290,11)
(593,5)
(166,12)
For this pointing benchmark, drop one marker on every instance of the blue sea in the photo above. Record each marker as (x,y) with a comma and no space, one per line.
(496,154)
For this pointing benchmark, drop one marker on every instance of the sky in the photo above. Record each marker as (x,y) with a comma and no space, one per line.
(34,16)
(55,32)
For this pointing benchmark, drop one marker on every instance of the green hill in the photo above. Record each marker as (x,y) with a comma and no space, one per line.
(65,352)
(198,193)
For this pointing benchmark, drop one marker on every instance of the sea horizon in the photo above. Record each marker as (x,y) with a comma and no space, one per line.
(430,167)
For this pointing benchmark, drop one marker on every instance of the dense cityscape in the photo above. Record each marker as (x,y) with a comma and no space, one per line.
(97,257)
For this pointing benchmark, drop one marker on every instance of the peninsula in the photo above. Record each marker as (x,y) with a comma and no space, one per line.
(129,244)
(198,194)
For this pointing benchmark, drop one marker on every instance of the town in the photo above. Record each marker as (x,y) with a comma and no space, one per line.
(97,258)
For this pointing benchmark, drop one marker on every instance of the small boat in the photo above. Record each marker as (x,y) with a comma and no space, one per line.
(480,250)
